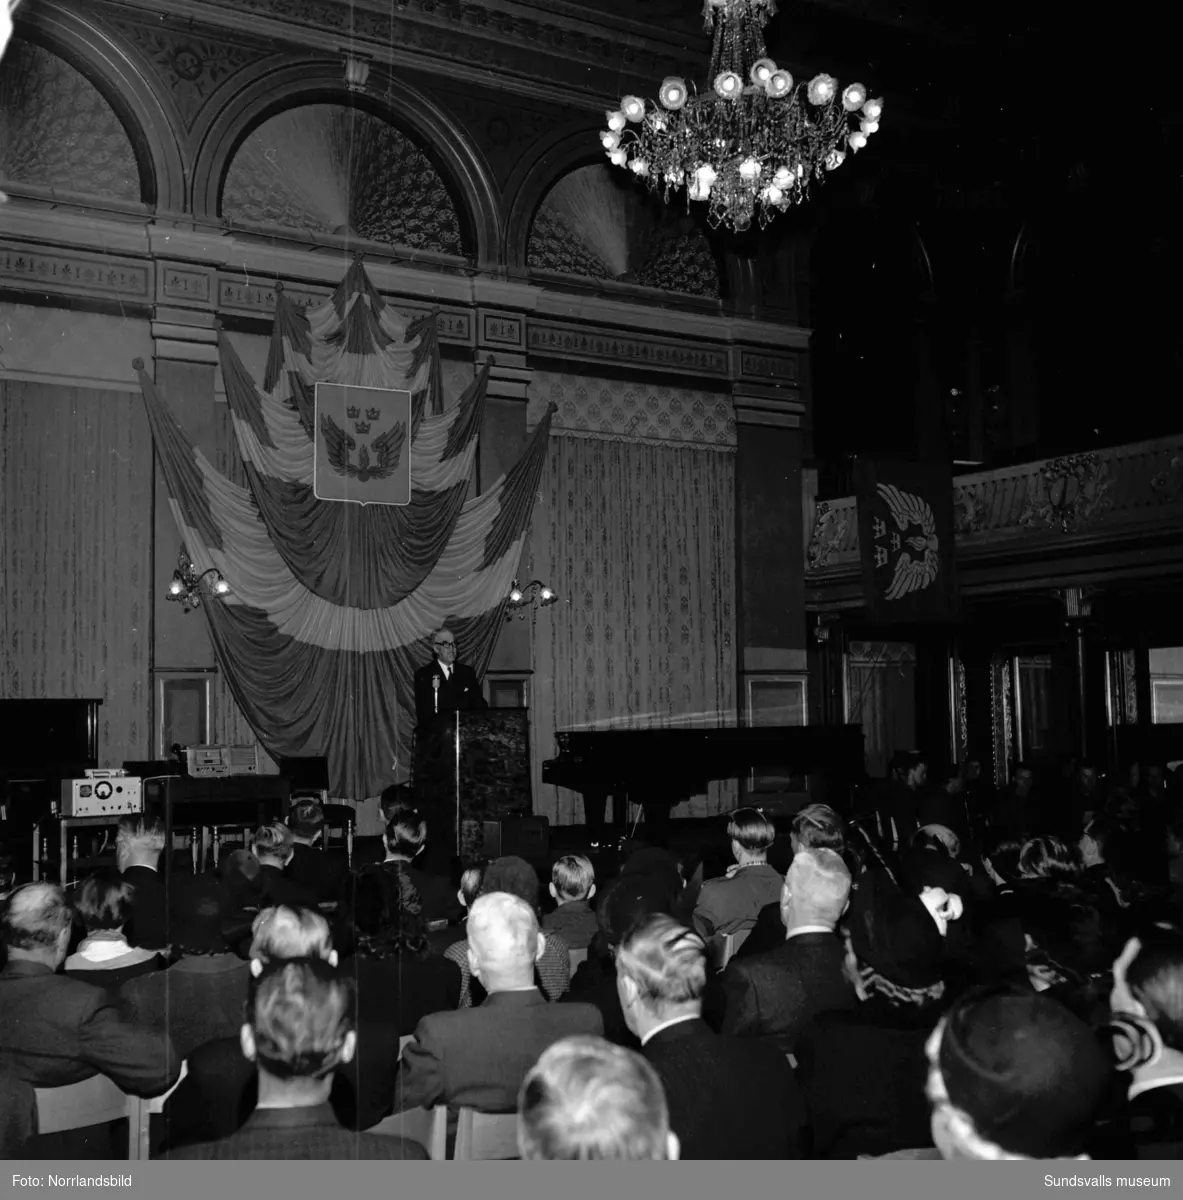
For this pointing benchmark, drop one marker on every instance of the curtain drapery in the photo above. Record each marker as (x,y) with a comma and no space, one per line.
(75,555)
(329,608)
(638,540)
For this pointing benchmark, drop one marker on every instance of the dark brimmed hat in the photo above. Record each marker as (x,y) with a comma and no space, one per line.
(899,940)
(1031,1076)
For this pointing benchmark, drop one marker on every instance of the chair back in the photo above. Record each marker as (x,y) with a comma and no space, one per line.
(94,1101)
(427,1126)
(486,1136)
(577,957)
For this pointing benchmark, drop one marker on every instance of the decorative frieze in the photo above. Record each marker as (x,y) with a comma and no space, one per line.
(503,329)
(184,285)
(75,273)
(763,366)
(554,340)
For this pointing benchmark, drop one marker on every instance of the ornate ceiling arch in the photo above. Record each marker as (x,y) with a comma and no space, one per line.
(118,75)
(272,89)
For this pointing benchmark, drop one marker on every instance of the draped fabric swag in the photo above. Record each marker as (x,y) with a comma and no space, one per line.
(331,604)
(638,540)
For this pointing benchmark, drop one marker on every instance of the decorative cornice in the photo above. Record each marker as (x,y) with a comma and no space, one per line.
(549,339)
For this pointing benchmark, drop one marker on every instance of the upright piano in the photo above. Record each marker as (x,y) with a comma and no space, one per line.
(659,768)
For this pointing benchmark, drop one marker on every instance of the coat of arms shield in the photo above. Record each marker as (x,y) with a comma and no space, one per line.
(363,444)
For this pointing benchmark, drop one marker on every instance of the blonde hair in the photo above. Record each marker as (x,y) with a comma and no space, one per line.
(272,841)
(573,876)
(502,930)
(301,1015)
(284,932)
(666,960)
(588,1099)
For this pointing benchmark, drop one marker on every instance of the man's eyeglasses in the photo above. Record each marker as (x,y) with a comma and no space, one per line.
(444,645)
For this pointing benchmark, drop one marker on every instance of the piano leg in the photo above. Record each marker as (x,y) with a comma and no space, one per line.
(594,806)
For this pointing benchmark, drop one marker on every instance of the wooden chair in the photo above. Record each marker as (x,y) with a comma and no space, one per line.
(427,1126)
(722,947)
(344,818)
(94,1101)
(577,958)
(485,1136)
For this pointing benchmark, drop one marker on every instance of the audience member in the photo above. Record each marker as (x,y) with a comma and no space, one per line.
(586,1099)
(405,840)
(200,997)
(55,1030)
(728,1099)
(299,1030)
(1015,1075)
(517,877)
(471,879)
(572,885)
(272,847)
(1018,812)
(103,957)
(775,995)
(139,843)
(896,806)
(324,875)
(734,902)
(479,1056)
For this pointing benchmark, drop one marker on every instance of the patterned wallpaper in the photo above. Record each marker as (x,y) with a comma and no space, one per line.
(58,131)
(635,410)
(597,223)
(326,168)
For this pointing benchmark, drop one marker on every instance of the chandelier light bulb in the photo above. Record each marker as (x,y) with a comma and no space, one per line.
(176,587)
(639,166)
(761,72)
(822,89)
(854,97)
(610,140)
(779,83)
(835,159)
(221,587)
(618,157)
(873,110)
(858,140)
(750,168)
(675,178)
(616,121)
(546,595)
(728,85)
(869,127)
(782,177)
(673,93)
(772,194)
(515,596)
(633,108)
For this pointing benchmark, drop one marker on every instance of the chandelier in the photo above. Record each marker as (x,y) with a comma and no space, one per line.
(187,585)
(528,599)
(754,143)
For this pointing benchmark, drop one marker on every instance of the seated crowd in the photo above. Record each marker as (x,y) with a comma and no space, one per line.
(949,974)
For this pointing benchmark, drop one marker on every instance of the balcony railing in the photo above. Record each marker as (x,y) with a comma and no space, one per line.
(1101,494)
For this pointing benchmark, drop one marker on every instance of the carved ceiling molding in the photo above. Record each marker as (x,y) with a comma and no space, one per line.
(582,57)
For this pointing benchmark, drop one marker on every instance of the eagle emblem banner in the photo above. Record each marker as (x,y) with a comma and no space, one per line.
(363,453)
(906,539)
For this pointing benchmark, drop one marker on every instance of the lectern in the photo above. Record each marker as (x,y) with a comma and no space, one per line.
(471,767)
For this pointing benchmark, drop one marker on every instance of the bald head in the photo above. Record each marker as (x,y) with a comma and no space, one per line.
(36,923)
(816,890)
(503,941)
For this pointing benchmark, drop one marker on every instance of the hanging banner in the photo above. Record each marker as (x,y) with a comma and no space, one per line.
(905,513)
(363,454)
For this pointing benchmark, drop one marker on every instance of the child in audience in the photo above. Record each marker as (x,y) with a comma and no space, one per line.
(572,884)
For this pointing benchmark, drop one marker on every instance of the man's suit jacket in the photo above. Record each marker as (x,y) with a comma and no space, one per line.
(776,995)
(278,888)
(149,925)
(55,1030)
(728,1098)
(478,1057)
(727,905)
(300,1133)
(459,692)
(325,875)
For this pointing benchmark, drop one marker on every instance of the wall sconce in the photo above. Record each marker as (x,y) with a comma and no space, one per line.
(535,594)
(357,71)
(187,585)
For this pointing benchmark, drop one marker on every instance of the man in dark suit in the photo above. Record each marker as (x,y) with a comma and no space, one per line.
(776,995)
(272,845)
(478,1057)
(728,1098)
(55,1030)
(300,1031)
(138,846)
(326,876)
(445,685)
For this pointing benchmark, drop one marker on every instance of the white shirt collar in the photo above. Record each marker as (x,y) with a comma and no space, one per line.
(666,1024)
(445,668)
(798,930)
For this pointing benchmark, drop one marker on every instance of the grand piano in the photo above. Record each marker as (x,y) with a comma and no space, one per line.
(659,768)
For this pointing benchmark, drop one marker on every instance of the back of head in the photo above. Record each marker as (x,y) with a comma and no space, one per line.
(301,1014)
(819,827)
(900,953)
(751,830)
(503,937)
(513,875)
(406,831)
(817,888)
(666,961)
(140,834)
(1155,980)
(629,899)
(306,819)
(283,932)
(197,906)
(573,876)
(273,841)
(588,1099)
(104,902)
(1014,1073)
(1049,857)
(471,879)
(1003,857)
(35,917)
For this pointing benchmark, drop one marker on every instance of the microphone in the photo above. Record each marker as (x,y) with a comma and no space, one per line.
(435,686)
